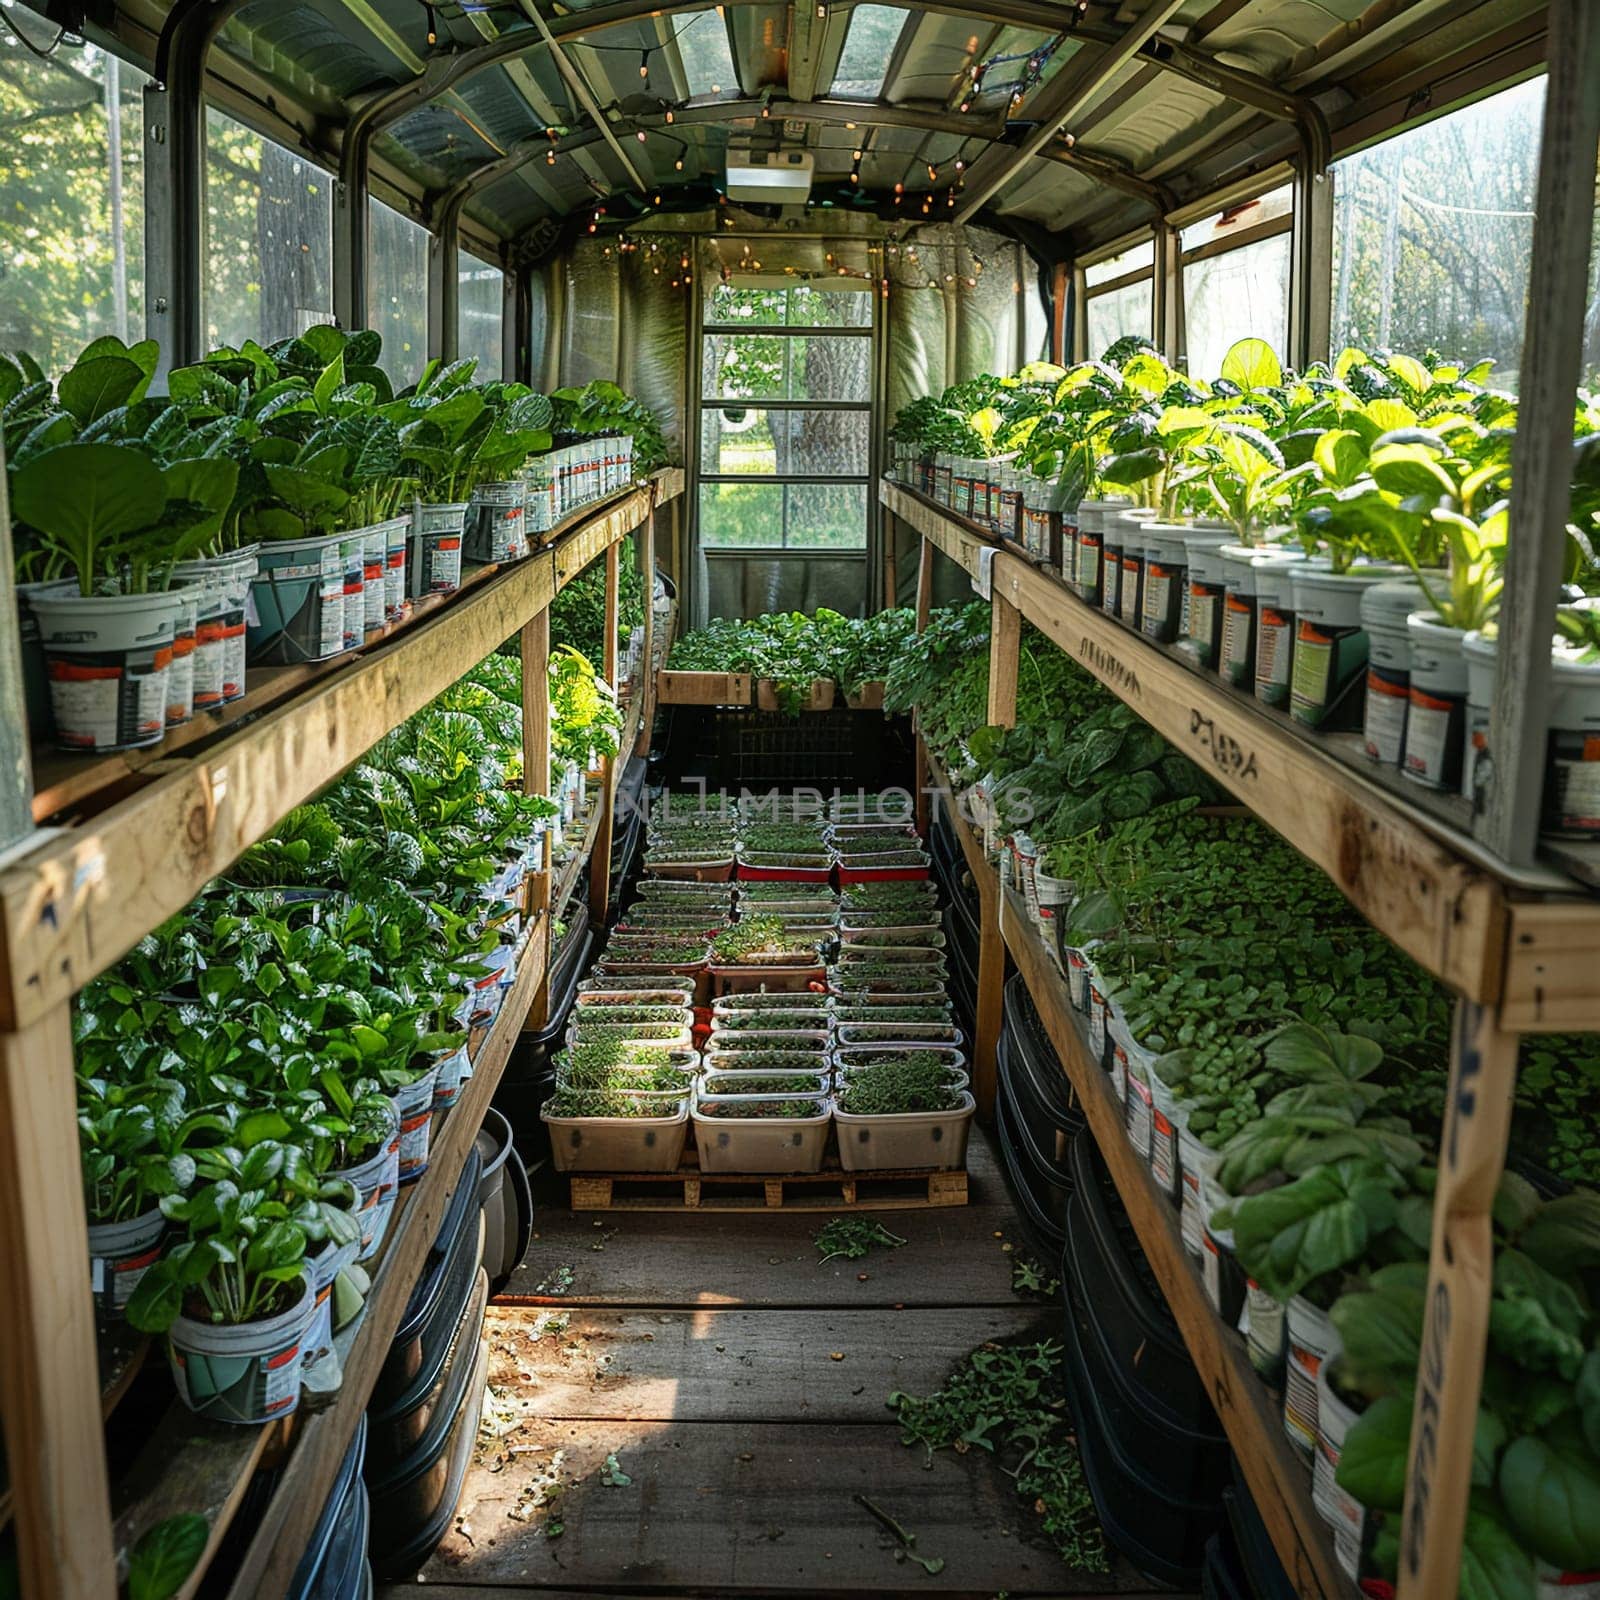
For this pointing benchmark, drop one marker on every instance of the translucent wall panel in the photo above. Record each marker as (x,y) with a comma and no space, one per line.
(1240,294)
(269,238)
(71,197)
(1118,312)
(397,292)
(479,314)
(1432,236)
(1120,265)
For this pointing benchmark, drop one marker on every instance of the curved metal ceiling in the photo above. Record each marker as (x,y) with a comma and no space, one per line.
(1054,113)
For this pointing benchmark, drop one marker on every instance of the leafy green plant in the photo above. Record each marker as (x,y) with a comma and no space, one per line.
(897,1087)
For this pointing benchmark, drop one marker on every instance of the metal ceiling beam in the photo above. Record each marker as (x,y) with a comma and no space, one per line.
(579,85)
(1056,110)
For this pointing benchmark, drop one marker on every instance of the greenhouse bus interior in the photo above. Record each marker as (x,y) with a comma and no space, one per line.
(800,799)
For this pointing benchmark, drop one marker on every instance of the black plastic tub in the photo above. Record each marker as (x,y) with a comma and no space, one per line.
(1033,1139)
(413,1501)
(1105,1259)
(1188,1462)
(506,1198)
(1042,1208)
(529,1077)
(1040,1080)
(1161,1534)
(1258,1556)
(440,1296)
(334,1566)
(1223,1577)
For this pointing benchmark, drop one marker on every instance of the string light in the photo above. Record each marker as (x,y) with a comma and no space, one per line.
(644,65)
(433,26)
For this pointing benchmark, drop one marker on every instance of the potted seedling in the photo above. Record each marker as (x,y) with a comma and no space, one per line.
(234,1298)
(764,943)
(601,1130)
(902,1115)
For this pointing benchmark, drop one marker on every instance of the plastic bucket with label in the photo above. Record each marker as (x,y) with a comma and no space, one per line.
(1093,516)
(35,674)
(375,576)
(414,1105)
(1384,609)
(247,1372)
(435,543)
(1571,803)
(298,594)
(1236,651)
(1205,593)
(395,533)
(1337,1507)
(496,523)
(1130,585)
(208,662)
(1312,1340)
(353,552)
(377,1181)
(1166,571)
(1275,623)
(1436,710)
(1330,644)
(108,657)
(120,1253)
(180,675)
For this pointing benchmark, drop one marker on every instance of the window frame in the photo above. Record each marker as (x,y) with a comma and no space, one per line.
(723,403)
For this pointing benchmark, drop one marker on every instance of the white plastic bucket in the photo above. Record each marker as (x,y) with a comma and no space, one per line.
(1130,584)
(1330,643)
(108,657)
(1337,1507)
(180,675)
(298,595)
(1197,1163)
(1236,653)
(120,1253)
(395,532)
(353,551)
(454,1068)
(496,526)
(374,576)
(1275,624)
(1384,609)
(377,1180)
(1093,515)
(1436,710)
(208,666)
(435,549)
(414,1106)
(246,1372)
(1312,1340)
(1205,593)
(1166,569)
(1571,805)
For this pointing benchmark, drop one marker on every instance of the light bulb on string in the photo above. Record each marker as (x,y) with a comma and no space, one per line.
(433,28)
(669,116)
(644,65)
(640,136)
(678,164)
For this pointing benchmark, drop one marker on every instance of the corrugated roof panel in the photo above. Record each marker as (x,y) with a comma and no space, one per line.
(868,49)
(1273,37)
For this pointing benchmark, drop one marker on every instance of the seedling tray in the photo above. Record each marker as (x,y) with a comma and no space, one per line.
(758,871)
(730,980)
(690,872)
(908,874)
(910,935)
(918,1035)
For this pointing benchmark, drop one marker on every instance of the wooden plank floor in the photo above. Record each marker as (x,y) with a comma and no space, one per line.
(740,1388)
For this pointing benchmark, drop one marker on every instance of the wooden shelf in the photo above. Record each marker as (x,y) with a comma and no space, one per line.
(78,900)
(192,1465)
(1279,1480)
(1528,941)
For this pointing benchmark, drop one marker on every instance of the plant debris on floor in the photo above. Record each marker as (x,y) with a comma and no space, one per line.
(1008,1399)
(852,1238)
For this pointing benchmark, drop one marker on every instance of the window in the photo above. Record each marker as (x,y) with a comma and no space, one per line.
(707,61)
(1433,234)
(397,292)
(479,314)
(71,195)
(1117,313)
(785,418)
(1236,279)
(269,238)
(868,49)
(1119,296)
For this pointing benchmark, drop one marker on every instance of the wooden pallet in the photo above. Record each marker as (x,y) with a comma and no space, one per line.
(832,1189)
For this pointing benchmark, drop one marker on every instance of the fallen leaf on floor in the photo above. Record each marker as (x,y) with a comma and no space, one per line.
(613,1476)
